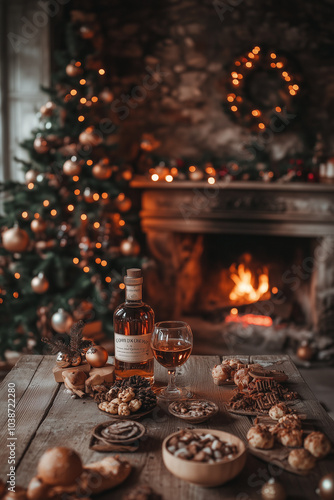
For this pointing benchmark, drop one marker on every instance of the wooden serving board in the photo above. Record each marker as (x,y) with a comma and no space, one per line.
(296,405)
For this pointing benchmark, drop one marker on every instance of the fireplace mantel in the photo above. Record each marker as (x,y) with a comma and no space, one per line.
(294,209)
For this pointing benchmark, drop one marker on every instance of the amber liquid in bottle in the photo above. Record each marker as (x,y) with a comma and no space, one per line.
(172,353)
(133,326)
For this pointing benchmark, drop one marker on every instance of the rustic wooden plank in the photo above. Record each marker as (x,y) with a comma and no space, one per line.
(32,405)
(21,374)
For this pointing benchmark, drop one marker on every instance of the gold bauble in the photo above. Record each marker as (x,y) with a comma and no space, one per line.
(88,195)
(41,145)
(106,95)
(197,175)
(326,487)
(305,352)
(97,356)
(89,137)
(31,176)
(47,108)
(63,360)
(61,321)
(39,283)
(76,360)
(72,167)
(38,225)
(15,239)
(130,247)
(72,70)
(101,171)
(86,32)
(123,204)
(127,174)
(273,490)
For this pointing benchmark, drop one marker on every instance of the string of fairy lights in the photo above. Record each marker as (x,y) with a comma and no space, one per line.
(236,99)
(72,169)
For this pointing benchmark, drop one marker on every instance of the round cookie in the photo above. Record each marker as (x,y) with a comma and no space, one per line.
(290,422)
(301,459)
(317,444)
(259,436)
(278,411)
(292,438)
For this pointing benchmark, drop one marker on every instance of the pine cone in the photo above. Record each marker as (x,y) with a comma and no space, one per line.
(147,397)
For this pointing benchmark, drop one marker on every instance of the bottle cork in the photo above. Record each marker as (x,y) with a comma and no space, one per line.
(133,277)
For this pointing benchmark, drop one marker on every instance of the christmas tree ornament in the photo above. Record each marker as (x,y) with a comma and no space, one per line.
(15,239)
(106,96)
(326,487)
(122,203)
(130,247)
(63,360)
(86,32)
(97,356)
(73,69)
(30,176)
(41,145)
(195,174)
(305,352)
(102,171)
(88,195)
(61,321)
(273,490)
(48,108)
(38,225)
(76,360)
(40,284)
(127,174)
(72,166)
(89,137)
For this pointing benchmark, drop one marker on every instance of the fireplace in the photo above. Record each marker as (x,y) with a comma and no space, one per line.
(245,253)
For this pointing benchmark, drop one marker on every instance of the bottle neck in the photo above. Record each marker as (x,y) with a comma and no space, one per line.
(133,293)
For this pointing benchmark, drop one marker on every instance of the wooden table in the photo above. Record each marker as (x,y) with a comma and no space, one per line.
(47,416)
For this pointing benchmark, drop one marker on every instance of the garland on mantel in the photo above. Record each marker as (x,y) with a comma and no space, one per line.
(212,169)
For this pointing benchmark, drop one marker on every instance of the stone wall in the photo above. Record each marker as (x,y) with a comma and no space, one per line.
(190,45)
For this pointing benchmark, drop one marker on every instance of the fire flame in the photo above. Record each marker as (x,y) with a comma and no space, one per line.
(243,288)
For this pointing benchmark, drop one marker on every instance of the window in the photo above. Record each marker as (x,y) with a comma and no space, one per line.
(24,66)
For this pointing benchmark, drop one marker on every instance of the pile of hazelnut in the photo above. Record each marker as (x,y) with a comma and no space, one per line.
(124,404)
(201,447)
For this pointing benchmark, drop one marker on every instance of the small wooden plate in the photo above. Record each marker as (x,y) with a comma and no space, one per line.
(133,416)
(193,420)
(97,432)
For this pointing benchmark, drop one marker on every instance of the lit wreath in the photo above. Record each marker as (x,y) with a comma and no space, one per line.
(260,87)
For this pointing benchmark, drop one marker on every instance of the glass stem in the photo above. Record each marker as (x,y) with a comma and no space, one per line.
(171,381)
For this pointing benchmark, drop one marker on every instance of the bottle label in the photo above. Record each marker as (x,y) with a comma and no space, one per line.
(133,348)
(133,292)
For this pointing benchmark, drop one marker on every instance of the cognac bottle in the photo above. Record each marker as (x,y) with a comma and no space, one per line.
(133,326)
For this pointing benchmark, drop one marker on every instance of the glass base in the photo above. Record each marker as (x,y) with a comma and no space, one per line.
(177,393)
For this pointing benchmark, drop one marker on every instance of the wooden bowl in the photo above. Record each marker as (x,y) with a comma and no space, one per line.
(204,474)
(193,420)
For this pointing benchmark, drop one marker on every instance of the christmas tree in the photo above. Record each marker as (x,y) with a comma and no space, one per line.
(67,233)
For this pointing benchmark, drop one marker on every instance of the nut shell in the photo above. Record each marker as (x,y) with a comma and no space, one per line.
(59,466)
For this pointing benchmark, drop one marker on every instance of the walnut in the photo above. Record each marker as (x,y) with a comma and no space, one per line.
(123,409)
(116,401)
(103,406)
(134,405)
(126,395)
(112,408)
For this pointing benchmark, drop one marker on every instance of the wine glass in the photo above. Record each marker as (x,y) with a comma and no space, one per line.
(172,343)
